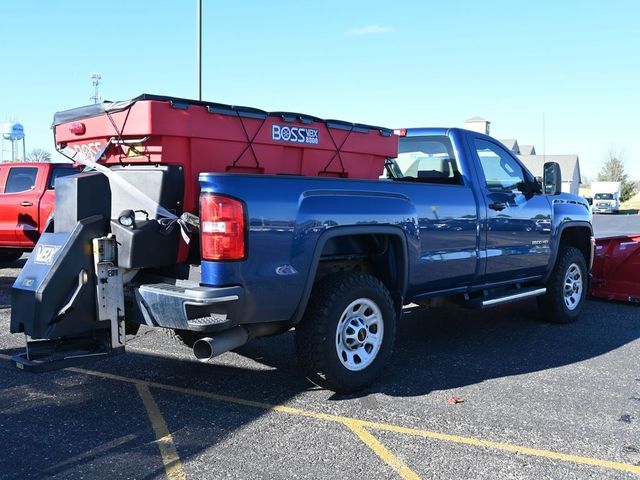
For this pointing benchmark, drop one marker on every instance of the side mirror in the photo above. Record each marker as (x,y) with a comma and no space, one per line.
(552,179)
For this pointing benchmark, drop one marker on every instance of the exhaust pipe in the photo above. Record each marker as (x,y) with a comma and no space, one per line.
(207,348)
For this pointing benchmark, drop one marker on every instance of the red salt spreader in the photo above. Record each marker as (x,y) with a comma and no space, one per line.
(162,144)
(210,137)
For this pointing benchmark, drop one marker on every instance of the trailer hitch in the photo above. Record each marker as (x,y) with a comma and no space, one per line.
(110,288)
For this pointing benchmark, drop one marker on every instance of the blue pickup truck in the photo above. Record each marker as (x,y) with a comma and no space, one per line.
(455,217)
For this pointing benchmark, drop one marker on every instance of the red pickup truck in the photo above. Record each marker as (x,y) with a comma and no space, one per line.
(26,201)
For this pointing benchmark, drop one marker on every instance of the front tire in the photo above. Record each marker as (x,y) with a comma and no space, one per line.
(566,287)
(347,333)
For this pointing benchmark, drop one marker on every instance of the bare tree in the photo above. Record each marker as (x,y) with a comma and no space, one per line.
(39,156)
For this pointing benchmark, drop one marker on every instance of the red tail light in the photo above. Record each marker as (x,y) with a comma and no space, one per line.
(78,128)
(401,132)
(221,227)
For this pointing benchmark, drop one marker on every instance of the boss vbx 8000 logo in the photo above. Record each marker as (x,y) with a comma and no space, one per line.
(284,133)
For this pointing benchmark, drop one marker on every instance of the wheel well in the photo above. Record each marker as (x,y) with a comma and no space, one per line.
(579,237)
(380,255)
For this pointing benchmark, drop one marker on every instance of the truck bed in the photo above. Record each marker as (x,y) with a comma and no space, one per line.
(288,216)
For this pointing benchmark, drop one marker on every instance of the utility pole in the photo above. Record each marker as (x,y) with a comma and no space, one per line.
(199,46)
(95,80)
(544,138)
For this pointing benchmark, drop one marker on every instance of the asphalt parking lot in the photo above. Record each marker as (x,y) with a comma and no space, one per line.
(539,401)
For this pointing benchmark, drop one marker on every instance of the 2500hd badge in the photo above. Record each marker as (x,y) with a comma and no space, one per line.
(285,133)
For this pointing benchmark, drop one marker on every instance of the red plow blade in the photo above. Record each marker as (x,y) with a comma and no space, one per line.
(616,268)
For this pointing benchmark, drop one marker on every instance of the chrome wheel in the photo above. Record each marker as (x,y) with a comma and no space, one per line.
(573,285)
(359,334)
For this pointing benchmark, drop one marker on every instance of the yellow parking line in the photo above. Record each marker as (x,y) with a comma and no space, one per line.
(565,457)
(168,452)
(595,462)
(381,451)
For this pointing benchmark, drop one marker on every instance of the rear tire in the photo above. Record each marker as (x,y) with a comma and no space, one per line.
(347,333)
(9,255)
(566,287)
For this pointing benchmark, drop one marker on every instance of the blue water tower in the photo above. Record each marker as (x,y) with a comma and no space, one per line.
(13,142)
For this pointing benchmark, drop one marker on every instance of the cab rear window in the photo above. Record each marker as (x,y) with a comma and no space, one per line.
(428,159)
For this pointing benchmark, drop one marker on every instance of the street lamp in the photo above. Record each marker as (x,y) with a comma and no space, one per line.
(199,46)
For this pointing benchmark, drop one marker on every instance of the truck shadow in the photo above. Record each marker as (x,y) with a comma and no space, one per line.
(6,282)
(15,264)
(5,291)
(444,349)
(453,348)
(436,350)
(439,349)
(84,424)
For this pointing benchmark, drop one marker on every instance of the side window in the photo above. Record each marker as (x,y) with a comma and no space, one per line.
(21,179)
(58,173)
(428,159)
(501,172)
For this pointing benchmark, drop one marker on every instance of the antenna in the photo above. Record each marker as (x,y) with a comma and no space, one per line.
(95,80)
(544,139)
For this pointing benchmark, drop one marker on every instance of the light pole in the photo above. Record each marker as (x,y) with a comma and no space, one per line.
(199,49)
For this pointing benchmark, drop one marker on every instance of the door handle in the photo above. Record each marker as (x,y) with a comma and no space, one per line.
(26,204)
(497,206)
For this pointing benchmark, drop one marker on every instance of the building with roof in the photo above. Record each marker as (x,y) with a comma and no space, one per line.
(527,150)
(569,167)
(511,144)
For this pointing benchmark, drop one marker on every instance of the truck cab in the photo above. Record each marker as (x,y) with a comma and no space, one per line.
(481,185)
(26,202)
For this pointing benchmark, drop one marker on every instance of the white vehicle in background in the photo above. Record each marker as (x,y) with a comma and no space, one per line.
(606,197)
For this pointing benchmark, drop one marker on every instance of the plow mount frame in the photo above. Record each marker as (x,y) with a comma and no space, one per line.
(616,268)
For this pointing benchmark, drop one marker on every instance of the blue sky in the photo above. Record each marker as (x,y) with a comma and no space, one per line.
(413,63)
